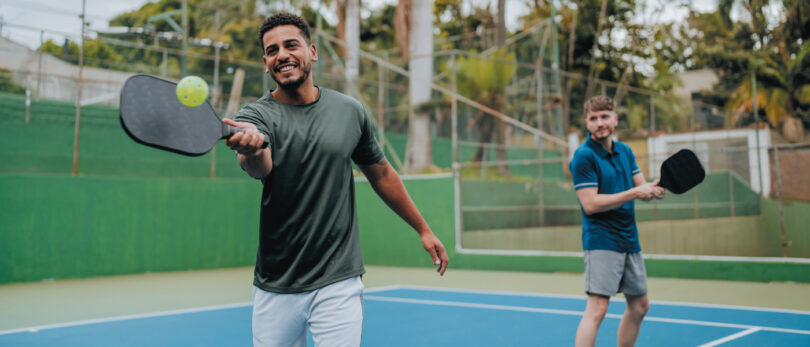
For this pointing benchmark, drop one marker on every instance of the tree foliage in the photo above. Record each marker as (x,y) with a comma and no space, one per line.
(96,53)
(608,48)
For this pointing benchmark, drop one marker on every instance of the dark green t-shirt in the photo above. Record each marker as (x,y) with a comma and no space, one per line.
(308,234)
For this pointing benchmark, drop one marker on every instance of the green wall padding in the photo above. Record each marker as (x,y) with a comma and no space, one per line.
(59,226)
(797,226)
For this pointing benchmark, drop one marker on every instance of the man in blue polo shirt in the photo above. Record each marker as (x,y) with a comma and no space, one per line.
(607,181)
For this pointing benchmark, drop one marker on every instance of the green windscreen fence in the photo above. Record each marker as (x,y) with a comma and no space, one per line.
(45,145)
(96,219)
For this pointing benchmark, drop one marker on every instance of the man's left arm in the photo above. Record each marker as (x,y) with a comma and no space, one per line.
(386,183)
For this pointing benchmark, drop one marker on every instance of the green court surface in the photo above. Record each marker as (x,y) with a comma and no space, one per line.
(61,301)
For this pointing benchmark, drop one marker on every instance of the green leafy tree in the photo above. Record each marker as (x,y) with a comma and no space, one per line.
(783,91)
(377,30)
(738,50)
(96,53)
(7,85)
(485,80)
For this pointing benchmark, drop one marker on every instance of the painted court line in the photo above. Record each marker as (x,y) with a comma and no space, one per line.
(382,288)
(583,297)
(127,317)
(154,314)
(578,313)
(730,337)
(748,329)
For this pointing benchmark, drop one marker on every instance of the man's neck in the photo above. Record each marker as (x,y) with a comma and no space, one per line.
(606,143)
(306,93)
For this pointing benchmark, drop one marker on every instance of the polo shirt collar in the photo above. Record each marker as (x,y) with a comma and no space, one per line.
(596,147)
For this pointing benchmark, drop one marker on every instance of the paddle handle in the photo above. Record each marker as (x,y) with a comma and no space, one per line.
(229,131)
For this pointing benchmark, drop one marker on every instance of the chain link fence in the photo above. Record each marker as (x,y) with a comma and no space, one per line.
(499,124)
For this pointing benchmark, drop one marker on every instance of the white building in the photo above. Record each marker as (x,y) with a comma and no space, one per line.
(49,77)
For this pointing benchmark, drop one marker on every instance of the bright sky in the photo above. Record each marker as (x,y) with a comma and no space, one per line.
(23,19)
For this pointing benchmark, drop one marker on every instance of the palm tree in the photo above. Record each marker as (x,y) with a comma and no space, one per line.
(485,80)
(783,85)
(402,24)
(418,155)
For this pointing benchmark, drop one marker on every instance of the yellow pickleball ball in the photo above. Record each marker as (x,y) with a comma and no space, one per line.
(192,91)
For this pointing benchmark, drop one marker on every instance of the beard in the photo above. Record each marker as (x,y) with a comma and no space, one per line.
(604,136)
(294,84)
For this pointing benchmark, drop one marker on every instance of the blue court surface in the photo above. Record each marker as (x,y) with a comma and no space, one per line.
(420,316)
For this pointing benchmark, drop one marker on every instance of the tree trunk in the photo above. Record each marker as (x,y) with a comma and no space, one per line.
(418,156)
(591,68)
(340,6)
(500,35)
(500,127)
(792,129)
(485,130)
(569,66)
(352,54)
(402,26)
(500,152)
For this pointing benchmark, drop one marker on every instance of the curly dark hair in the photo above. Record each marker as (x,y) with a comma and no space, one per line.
(284,18)
(599,103)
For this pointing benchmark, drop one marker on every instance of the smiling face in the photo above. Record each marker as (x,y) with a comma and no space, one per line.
(288,57)
(601,124)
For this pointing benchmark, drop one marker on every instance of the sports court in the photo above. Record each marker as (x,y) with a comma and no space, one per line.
(105,241)
(152,310)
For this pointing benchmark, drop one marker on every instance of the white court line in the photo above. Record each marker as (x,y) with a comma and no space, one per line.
(446,303)
(127,317)
(538,253)
(382,288)
(577,313)
(730,337)
(154,314)
(407,177)
(584,297)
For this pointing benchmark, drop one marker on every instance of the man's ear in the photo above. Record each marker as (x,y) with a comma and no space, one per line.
(266,68)
(313,51)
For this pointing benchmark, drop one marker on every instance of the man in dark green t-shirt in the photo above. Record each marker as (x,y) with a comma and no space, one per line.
(309,264)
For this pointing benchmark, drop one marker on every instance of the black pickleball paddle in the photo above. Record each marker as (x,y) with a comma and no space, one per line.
(681,172)
(152,115)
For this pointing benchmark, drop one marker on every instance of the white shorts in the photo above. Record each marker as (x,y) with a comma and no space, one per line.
(333,314)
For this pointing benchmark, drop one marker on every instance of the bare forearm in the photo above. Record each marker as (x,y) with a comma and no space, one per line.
(593,202)
(606,202)
(257,166)
(391,190)
(387,184)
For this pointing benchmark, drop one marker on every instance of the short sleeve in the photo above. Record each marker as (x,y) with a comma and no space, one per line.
(633,165)
(251,115)
(368,150)
(583,171)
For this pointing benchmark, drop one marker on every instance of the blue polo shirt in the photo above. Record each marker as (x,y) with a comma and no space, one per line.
(593,166)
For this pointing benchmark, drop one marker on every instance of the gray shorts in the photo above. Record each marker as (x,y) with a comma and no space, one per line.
(609,272)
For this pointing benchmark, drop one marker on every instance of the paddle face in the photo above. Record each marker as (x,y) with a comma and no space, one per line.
(152,115)
(681,171)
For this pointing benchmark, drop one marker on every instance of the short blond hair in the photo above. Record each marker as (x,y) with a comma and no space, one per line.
(599,103)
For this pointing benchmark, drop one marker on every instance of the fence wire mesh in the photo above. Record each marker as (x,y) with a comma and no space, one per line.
(505,123)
